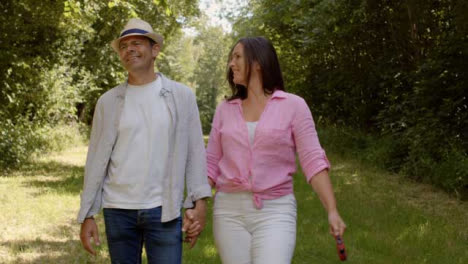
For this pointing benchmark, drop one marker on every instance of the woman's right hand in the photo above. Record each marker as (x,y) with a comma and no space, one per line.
(337,225)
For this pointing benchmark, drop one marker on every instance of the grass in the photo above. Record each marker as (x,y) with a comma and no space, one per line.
(390,219)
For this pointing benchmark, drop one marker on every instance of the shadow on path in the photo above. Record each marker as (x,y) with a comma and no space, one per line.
(59,177)
(46,250)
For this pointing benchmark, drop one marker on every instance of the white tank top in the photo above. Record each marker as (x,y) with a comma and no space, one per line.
(251,128)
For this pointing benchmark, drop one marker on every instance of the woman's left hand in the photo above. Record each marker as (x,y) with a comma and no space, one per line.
(337,226)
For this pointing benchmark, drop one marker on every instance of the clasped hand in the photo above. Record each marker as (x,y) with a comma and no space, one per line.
(194,222)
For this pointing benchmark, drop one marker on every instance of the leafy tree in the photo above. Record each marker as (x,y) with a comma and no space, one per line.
(210,73)
(394,69)
(199,60)
(55,61)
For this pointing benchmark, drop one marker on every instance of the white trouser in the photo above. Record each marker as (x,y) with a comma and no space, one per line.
(247,235)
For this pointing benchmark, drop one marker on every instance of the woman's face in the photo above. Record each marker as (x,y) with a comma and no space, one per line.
(238,65)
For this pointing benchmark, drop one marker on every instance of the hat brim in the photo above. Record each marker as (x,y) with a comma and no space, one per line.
(156,37)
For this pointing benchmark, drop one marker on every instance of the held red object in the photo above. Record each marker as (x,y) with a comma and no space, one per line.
(340,247)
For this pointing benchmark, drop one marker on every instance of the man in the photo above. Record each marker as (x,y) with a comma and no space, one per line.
(146,143)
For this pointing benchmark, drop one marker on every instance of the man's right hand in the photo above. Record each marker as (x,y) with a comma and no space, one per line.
(89,230)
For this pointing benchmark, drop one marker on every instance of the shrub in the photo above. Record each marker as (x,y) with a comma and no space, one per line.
(15,142)
(423,159)
(20,141)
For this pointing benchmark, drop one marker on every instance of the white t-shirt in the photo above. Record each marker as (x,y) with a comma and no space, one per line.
(138,161)
(251,126)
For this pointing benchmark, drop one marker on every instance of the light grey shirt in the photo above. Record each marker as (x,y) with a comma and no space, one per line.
(186,160)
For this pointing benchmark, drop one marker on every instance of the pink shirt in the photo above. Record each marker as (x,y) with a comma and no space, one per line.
(264,168)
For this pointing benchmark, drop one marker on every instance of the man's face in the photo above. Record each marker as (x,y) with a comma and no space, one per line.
(136,53)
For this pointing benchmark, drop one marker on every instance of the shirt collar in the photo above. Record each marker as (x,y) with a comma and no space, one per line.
(235,101)
(277,94)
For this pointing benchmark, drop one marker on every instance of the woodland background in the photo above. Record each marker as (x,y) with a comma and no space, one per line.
(386,80)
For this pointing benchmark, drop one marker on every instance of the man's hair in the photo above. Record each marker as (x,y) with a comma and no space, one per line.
(260,50)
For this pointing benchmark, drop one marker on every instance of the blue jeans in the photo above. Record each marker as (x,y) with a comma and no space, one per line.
(128,230)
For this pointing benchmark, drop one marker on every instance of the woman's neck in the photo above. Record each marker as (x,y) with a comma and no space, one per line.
(255,92)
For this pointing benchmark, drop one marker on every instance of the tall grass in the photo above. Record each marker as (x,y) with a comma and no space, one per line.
(390,219)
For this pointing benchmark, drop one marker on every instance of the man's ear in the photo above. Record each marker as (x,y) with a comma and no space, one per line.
(155,50)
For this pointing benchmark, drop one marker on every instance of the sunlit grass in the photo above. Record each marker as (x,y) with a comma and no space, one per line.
(390,220)
(40,204)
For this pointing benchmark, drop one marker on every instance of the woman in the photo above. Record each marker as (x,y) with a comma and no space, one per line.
(251,160)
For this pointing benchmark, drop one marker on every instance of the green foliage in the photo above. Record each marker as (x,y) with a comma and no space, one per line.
(449,171)
(55,61)
(96,23)
(62,136)
(16,142)
(395,70)
(210,73)
(200,62)
(179,59)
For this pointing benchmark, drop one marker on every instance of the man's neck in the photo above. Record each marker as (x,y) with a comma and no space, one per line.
(141,79)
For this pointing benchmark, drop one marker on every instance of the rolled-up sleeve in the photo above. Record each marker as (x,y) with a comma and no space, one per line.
(311,155)
(196,180)
(214,149)
(89,204)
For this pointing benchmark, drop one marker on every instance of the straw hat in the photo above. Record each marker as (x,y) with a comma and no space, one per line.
(137,27)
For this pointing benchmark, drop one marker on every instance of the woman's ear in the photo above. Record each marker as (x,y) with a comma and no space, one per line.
(256,66)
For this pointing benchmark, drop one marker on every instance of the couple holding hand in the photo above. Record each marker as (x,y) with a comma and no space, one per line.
(146,151)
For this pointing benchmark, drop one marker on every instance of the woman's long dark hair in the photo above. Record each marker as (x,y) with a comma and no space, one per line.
(260,50)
